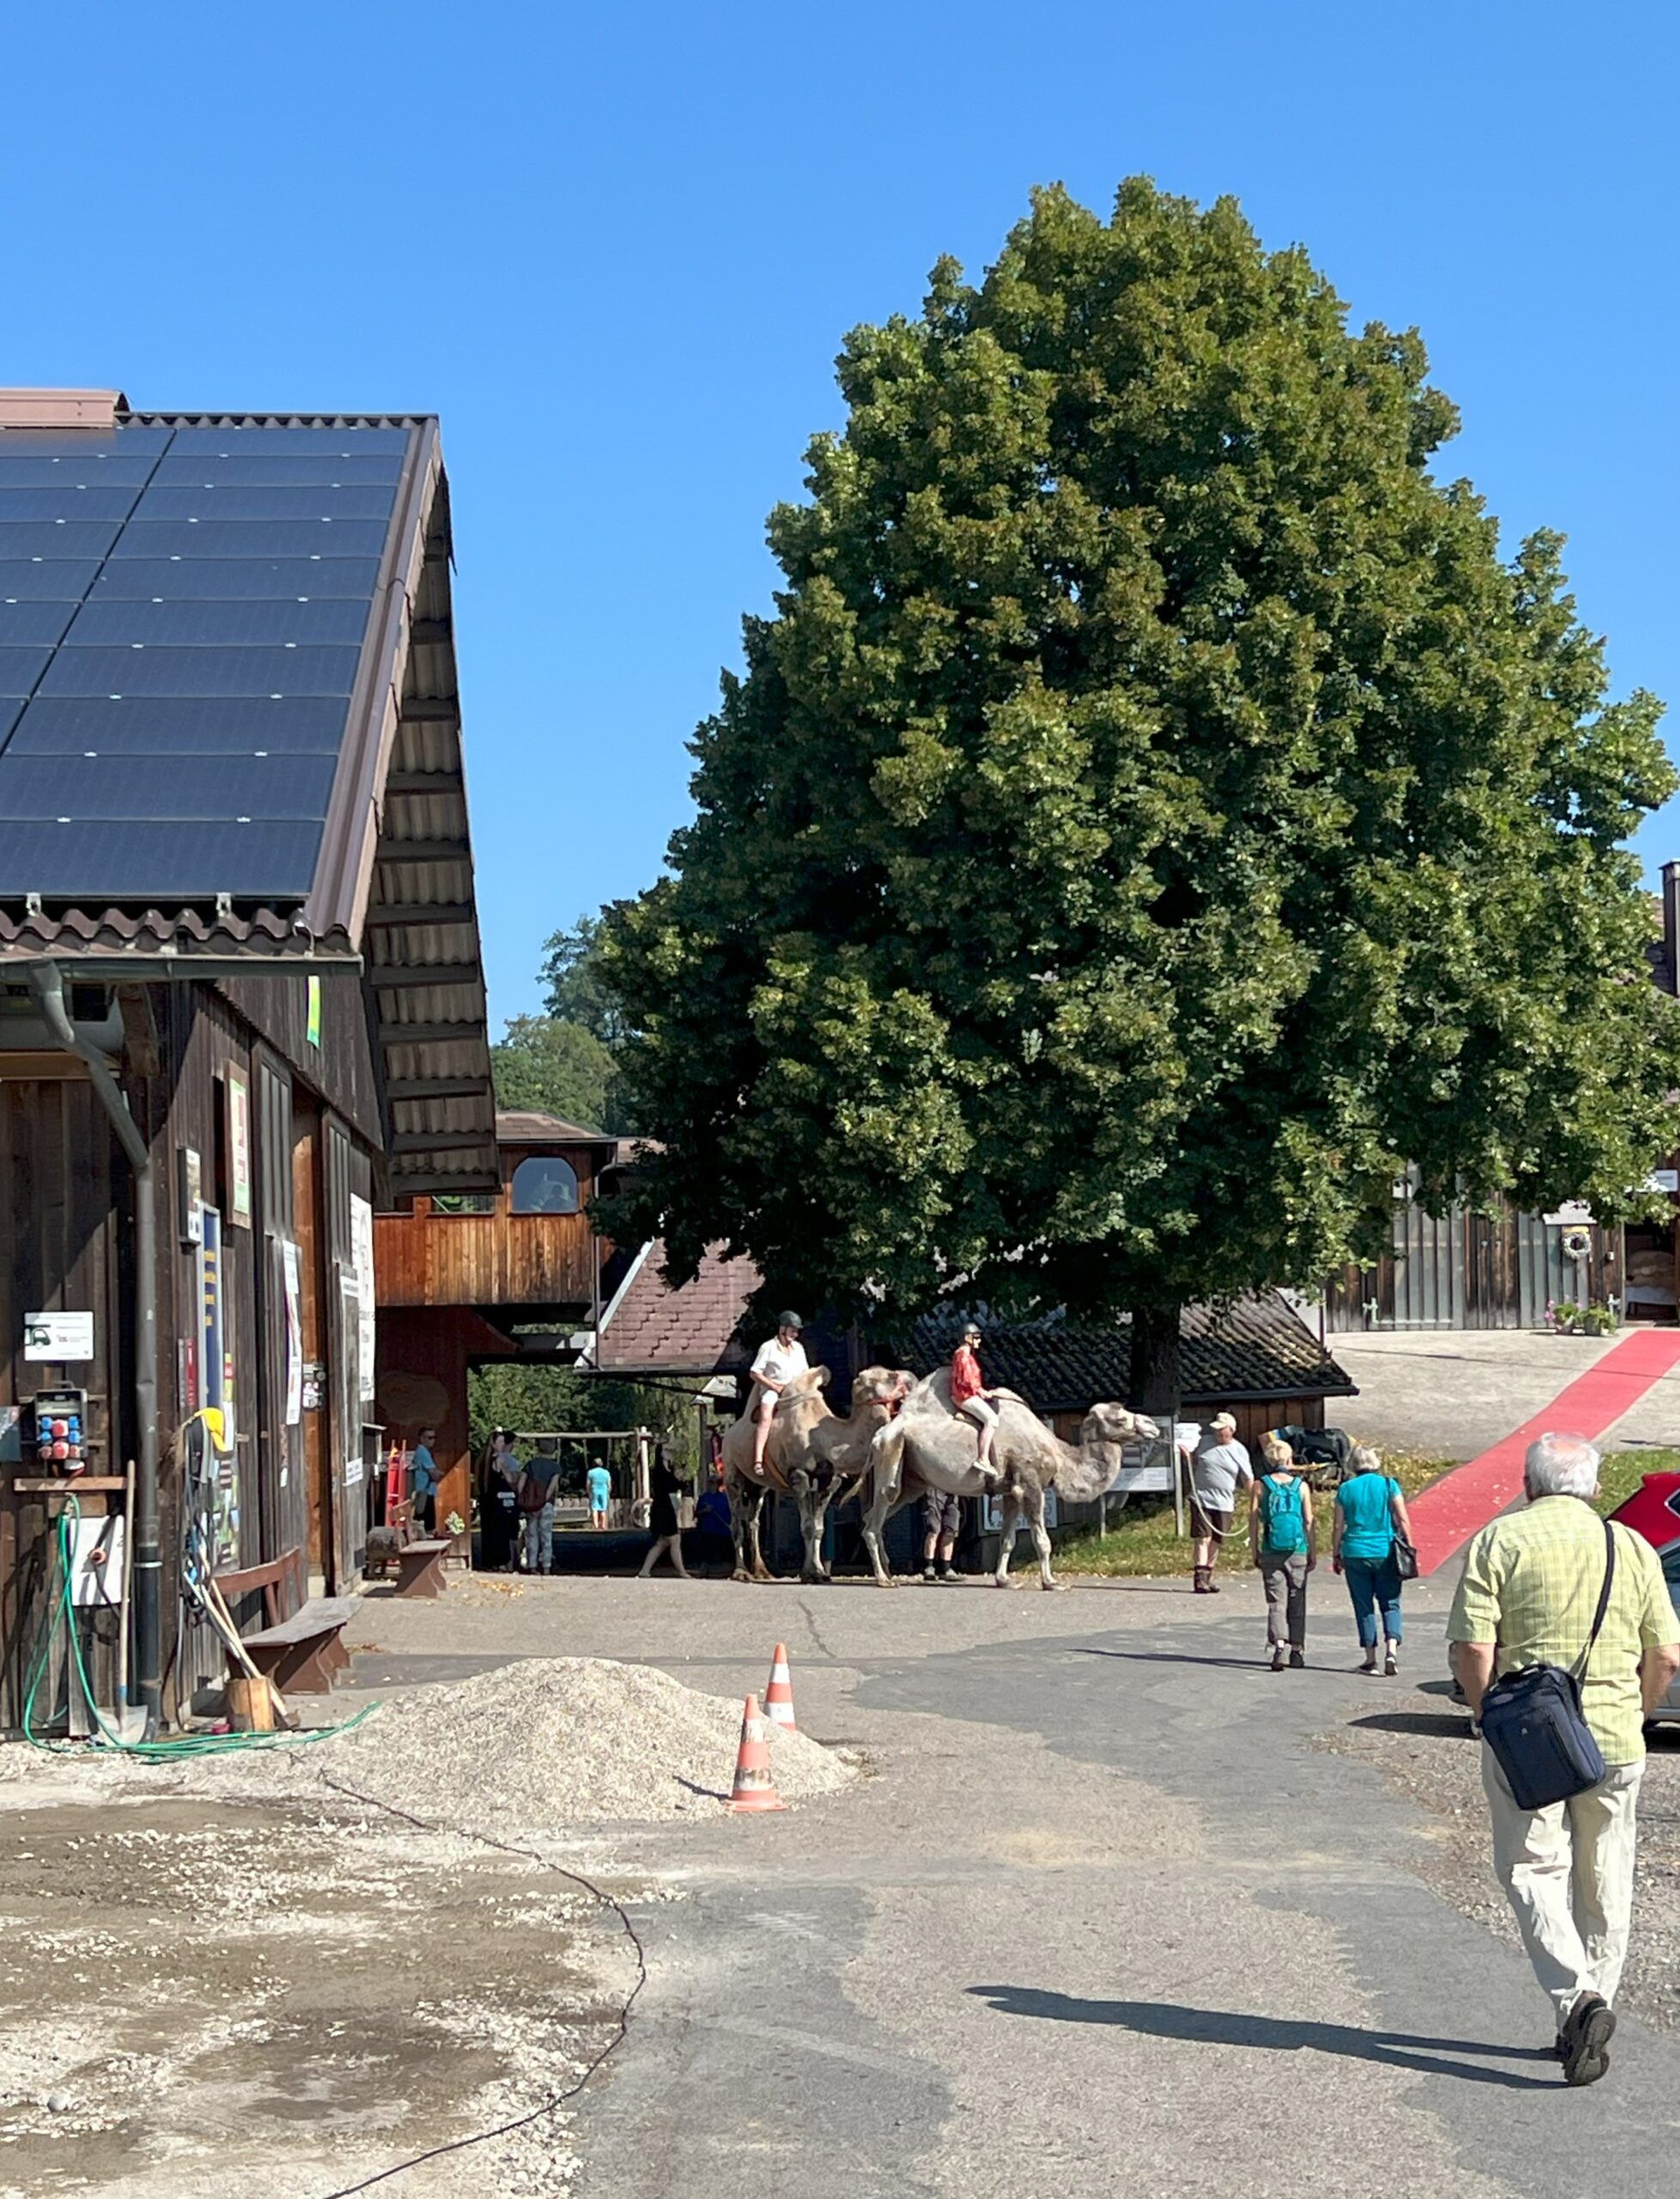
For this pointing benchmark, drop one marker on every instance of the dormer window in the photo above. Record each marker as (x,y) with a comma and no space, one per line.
(545,1183)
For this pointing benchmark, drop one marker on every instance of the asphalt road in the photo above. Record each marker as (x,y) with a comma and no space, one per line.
(1104,1919)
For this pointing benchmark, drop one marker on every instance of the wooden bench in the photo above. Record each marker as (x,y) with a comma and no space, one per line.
(273,1579)
(302,1654)
(420,1567)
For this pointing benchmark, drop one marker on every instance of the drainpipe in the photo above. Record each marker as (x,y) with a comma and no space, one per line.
(47,984)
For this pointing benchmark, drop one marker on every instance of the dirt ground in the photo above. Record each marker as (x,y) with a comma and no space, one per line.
(202,2001)
(1420,1742)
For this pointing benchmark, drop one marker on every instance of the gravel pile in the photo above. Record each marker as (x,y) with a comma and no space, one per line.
(550,1741)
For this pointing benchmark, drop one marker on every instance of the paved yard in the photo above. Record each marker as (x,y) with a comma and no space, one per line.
(1108,1913)
(1450,1394)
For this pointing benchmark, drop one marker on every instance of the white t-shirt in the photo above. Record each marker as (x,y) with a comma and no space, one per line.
(781,1361)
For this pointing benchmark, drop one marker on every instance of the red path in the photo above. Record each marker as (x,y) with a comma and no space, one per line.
(1446,1517)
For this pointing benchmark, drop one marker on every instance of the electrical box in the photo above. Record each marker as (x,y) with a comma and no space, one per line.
(61,1423)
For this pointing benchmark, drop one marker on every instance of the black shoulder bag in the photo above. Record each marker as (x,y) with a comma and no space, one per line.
(1531,1720)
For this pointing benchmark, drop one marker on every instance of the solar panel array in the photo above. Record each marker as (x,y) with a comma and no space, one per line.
(182,613)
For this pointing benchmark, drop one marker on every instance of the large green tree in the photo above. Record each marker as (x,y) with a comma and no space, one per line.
(1155,814)
(557,1067)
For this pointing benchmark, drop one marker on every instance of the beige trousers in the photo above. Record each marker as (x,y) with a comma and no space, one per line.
(1567,1872)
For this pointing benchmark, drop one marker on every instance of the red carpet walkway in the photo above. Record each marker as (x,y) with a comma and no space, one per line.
(1446,1517)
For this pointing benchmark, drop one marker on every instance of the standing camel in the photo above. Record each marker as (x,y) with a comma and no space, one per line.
(927,1446)
(813,1456)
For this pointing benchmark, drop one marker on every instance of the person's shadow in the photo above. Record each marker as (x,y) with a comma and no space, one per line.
(1277,2034)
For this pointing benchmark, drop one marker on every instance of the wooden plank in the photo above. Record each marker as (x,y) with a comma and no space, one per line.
(402,1090)
(42,1069)
(390,914)
(392,977)
(432,1035)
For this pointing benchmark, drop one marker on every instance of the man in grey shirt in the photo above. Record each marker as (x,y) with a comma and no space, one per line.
(1218,1471)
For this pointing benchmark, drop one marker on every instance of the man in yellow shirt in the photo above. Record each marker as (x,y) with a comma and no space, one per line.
(1530,1590)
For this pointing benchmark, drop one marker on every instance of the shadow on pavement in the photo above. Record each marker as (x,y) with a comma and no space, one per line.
(1450,1725)
(1222,2027)
(1176,1657)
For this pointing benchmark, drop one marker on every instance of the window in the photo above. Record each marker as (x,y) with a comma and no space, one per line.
(545,1183)
(463,1202)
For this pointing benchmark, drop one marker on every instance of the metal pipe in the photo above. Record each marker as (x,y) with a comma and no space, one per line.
(46,983)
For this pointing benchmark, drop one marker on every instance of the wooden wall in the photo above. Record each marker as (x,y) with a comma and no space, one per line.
(427,1258)
(342,1068)
(425,1353)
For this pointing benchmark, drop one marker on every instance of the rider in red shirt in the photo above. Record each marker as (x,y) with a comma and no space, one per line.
(970,1397)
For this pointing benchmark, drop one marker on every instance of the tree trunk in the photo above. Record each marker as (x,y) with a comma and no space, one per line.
(1156,1361)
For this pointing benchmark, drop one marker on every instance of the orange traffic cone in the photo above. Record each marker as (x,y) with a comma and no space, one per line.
(754,1787)
(779,1694)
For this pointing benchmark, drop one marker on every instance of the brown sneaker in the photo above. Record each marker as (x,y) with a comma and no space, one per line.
(1585,2039)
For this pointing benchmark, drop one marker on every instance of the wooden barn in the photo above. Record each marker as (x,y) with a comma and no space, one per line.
(242,1002)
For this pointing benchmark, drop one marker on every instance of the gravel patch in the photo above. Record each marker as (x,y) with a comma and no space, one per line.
(1421,1745)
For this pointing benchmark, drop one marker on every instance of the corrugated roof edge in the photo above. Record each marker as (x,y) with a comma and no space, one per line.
(182,932)
(276,419)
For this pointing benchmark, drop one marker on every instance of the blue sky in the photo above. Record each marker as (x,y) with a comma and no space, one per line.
(616,250)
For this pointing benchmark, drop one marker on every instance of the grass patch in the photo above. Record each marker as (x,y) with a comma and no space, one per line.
(1142,1544)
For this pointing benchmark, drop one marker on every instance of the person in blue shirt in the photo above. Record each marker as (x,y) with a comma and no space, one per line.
(422,1480)
(599,1484)
(1370,1512)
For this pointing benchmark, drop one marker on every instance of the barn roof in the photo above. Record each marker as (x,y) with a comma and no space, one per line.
(229,725)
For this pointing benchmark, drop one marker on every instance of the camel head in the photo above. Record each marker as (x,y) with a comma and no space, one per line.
(1085,1473)
(883,1388)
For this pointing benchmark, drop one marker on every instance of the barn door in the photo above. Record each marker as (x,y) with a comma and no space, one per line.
(282,1497)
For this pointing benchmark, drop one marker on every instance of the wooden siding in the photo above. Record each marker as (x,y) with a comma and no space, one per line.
(502,1258)
(342,1068)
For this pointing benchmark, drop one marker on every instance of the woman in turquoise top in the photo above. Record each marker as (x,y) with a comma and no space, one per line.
(1370,1512)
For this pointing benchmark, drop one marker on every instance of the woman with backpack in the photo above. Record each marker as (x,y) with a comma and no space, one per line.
(1371,1518)
(1280,1541)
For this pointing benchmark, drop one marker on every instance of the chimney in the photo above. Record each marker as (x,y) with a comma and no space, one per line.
(1672,923)
(61,408)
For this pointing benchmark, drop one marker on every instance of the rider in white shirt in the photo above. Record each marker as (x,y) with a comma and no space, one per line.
(780,1358)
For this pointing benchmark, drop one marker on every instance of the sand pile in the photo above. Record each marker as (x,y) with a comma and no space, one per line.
(551,1741)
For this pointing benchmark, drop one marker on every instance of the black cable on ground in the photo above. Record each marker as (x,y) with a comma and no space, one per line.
(554,2099)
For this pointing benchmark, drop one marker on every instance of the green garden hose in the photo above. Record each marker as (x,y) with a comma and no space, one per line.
(61,1611)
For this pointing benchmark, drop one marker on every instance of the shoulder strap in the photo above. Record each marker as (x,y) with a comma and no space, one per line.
(1586,1657)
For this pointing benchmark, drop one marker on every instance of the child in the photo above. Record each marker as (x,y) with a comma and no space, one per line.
(1280,1539)
(973,1400)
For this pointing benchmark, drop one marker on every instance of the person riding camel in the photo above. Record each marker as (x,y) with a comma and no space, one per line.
(971,1398)
(780,1358)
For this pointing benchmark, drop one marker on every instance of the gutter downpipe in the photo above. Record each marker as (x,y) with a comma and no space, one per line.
(46,983)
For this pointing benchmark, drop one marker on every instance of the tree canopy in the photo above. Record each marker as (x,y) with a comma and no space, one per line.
(557,1068)
(571,970)
(1154,814)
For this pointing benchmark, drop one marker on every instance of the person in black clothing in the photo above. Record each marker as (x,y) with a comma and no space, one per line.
(662,1518)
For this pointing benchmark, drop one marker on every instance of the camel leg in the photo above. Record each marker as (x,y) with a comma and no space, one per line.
(1009,1511)
(1041,1541)
(810,1509)
(755,1536)
(740,1496)
(887,1459)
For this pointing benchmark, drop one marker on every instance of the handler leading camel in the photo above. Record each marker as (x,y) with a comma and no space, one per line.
(780,1358)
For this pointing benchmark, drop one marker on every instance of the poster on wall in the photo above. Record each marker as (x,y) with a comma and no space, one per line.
(362,1258)
(236,1094)
(58,1339)
(293,1269)
(349,1393)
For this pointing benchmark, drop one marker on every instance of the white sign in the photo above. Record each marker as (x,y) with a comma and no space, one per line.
(1573,1213)
(1662,1179)
(1136,1481)
(991,1514)
(294,1273)
(59,1337)
(362,1258)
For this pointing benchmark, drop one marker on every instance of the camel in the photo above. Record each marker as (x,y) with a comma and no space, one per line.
(927,1446)
(814,1455)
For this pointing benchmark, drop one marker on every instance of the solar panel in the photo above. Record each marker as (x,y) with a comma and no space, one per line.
(146,861)
(21,668)
(139,670)
(190,580)
(56,538)
(226,623)
(182,616)
(61,579)
(64,500)
(242,441)
(207,537)
(33,622)
(94,469)
(109,787)
(141,725)
(274,470)
(322,501)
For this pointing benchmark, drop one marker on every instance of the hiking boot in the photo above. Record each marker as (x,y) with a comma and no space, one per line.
(1297,1660)
(1585,2039)
(1212,1582)
(1199,1580)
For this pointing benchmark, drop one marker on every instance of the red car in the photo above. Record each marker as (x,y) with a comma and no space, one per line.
(1653,1511)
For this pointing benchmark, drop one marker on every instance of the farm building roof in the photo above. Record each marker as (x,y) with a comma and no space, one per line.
(229,723)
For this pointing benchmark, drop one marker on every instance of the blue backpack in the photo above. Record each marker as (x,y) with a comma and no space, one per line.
(1282,1518)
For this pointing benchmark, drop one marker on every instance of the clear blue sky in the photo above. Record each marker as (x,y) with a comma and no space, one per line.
(616,249)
